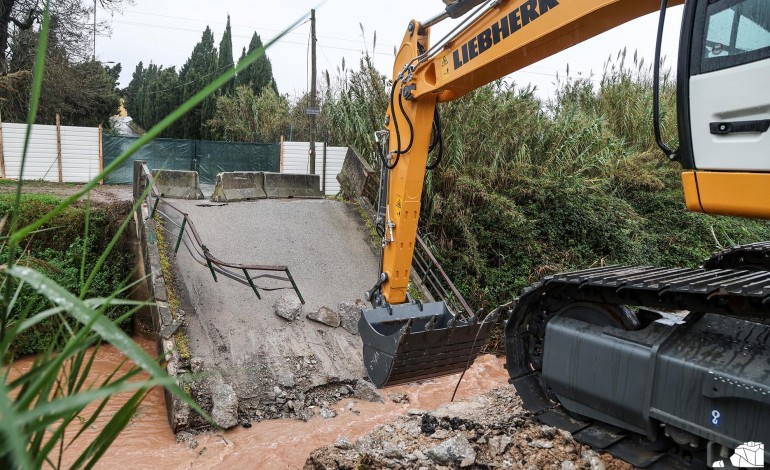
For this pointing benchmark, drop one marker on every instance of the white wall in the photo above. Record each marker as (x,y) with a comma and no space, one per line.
(79,148)
(296,160)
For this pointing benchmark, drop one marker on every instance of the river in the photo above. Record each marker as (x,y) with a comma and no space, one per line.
(148,442)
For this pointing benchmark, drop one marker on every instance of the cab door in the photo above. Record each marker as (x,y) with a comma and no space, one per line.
(729,86)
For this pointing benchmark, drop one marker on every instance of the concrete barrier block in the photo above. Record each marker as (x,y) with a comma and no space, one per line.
(239,186)
(282,185)
(357,178)
(176,184)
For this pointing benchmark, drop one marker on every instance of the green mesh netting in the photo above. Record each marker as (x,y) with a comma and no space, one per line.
(207,157)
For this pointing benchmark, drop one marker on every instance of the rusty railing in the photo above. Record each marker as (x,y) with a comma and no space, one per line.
(242,273)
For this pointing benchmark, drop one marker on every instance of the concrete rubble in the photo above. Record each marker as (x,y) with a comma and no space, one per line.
(349,313)
(224,411)
(326,316)
(288,307)
(488,431)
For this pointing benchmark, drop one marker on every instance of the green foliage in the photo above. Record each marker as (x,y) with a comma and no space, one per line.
(59,254)
(244,117)
(528,188)
(154,92)
(194,75)
(83,92)
(226,57)
(259,75)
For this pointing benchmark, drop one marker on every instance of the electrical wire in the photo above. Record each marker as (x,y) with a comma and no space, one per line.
(473,345)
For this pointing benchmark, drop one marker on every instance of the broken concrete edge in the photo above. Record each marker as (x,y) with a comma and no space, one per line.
(360,185)
(178,184)
(180,415)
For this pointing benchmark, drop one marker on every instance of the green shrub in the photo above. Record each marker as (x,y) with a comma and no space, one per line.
(58,253)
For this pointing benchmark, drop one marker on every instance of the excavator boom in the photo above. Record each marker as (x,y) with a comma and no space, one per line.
(683,372)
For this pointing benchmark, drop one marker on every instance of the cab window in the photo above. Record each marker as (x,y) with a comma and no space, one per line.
(736,32)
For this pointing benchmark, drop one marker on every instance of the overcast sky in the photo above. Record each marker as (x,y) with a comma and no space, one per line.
(165,33)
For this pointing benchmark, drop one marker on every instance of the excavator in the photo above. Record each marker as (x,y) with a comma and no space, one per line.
(661,367)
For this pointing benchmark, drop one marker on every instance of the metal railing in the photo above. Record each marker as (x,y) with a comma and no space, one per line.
(436,280)
(189,237)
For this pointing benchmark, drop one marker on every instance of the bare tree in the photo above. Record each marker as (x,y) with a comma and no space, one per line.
(74,18)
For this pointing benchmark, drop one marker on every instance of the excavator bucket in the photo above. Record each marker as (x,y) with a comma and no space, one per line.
(409,342)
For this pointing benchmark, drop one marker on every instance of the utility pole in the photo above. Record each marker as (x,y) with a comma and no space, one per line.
(313,102)
(94,57)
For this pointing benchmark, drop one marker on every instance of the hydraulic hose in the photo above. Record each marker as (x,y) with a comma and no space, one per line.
(438,141)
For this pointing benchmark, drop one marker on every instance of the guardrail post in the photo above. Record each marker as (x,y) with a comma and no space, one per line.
(140,183)
(251,283)
(294,285)
(181,234)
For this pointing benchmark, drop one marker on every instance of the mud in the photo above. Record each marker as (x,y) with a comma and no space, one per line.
(148,442)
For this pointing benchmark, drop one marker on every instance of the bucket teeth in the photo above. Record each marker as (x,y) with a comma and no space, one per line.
(432,323)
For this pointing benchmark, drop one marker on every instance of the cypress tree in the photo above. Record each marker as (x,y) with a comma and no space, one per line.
(198,71)
(134,95)
(243,77)
(226,57)
(259,74)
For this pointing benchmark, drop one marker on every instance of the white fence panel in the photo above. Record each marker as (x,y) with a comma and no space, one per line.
(296,160)
(79,152)
(41,157)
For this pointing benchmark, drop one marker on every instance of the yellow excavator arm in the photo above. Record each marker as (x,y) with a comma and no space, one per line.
(506,37)
(599,342)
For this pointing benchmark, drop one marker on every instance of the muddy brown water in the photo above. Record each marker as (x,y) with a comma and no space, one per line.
(149,443)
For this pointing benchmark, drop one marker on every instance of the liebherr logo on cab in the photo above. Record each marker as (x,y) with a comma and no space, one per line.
(505,26)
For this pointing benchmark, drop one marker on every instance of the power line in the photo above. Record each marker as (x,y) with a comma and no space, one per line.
(165,27)
(250,27)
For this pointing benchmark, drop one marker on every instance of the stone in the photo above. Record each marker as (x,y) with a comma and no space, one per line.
(327,413)
(499,444)
(390,451)
(288,307)
(349,314)
(285,378)
(187,437)
(398,397)
(453,451)
(596,463)
(568,465)
(196,364)
(224,411)
(367,391)
(440,434)
(326,316)
(541,444)
(343,443)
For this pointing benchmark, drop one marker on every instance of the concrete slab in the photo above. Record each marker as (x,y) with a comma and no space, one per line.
(269,361)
